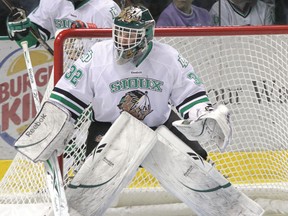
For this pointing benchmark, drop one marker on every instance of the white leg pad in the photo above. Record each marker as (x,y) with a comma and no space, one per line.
(111,166)
(194,181)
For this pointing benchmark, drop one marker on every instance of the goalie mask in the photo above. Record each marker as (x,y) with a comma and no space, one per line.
(133,29)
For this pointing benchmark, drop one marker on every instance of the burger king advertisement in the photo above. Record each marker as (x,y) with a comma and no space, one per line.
(17,108)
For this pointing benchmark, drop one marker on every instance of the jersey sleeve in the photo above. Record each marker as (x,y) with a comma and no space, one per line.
(74,90)
(44,15)
(105,15)
(188,88)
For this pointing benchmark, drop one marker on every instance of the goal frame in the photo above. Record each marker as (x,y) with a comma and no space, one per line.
(166,32)
(159,32)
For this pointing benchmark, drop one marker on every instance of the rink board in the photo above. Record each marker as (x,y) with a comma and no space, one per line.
(239,167)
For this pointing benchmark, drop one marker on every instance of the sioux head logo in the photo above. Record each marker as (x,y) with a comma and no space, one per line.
(136,103)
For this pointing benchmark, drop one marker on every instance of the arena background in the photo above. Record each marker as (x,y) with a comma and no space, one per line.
(16,111)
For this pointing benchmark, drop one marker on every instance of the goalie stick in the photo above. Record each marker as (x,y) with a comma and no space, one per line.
(54,181)
(33,32)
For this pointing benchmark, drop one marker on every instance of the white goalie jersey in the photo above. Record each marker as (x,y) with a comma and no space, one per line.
(162,77)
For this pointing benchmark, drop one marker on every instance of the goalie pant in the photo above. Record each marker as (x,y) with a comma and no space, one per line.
(98,129)
(112,165)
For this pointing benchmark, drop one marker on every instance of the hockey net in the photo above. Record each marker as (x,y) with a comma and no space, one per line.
(244,68)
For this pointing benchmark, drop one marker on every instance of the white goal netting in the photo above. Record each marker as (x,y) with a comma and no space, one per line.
(244,68)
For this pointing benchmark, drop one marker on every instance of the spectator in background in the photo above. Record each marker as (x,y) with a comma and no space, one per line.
(156,7)
(270,2)
(183,13)
(207,4)
(281,12)
(242,12)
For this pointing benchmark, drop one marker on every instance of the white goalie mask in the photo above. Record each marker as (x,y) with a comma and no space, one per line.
(133,29)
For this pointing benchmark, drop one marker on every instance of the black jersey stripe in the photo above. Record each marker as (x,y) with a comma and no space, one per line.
(200,97)
(74,116)
(193,97)
(68,104)
(71,97)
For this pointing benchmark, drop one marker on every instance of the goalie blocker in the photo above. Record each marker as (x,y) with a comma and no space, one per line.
(46,134)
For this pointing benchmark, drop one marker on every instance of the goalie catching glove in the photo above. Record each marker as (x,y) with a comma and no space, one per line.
(206,124)
(18,27)
(46,134)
